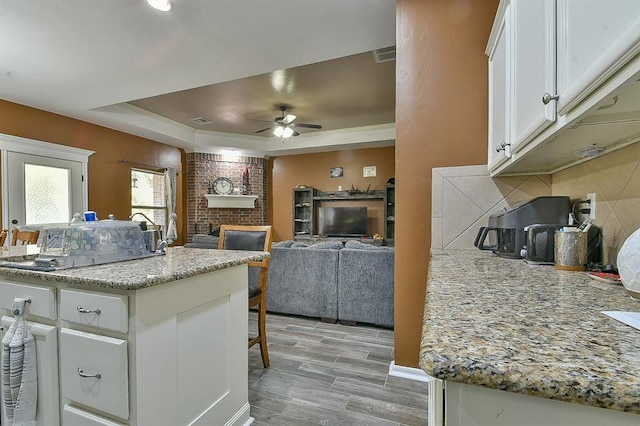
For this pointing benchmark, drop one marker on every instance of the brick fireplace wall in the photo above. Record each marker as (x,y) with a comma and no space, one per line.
(202,170)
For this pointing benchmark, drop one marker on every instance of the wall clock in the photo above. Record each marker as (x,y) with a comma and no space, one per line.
(223,186)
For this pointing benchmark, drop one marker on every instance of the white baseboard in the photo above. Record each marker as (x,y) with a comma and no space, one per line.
(408,372)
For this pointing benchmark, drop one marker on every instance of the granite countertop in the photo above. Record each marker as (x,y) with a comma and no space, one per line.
(178,263)
(504,324)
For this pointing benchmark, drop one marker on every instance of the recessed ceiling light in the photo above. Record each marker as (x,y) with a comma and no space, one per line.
(162,5)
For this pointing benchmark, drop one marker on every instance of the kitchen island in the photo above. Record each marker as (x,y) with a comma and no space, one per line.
(155,341)
(519,344)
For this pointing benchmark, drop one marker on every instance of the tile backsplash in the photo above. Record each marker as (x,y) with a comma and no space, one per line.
(615,179)
(463,198)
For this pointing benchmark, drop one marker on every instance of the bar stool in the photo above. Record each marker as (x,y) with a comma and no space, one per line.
(254,238)
(24,237)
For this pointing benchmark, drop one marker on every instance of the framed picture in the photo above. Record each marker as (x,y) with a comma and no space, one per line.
(336,172)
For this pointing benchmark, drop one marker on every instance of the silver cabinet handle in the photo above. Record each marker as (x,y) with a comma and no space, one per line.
(546,98)
(84,375)
(503,146)
(88,311)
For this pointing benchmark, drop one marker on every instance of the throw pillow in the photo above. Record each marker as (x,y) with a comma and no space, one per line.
(328,245)
(355,244)
(286,243)
(299,244)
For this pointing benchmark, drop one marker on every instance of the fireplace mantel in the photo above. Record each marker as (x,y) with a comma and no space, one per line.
(231,201)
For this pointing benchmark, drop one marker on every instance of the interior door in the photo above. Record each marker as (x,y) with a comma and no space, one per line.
(42,189)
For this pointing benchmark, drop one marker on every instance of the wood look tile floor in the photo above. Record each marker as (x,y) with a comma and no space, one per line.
(330,374)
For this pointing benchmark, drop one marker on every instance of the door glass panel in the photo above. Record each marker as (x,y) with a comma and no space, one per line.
(47,194)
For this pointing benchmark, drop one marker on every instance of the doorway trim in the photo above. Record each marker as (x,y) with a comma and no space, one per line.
(43,149)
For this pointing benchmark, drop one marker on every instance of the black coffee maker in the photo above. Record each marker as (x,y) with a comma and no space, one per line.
(508,224)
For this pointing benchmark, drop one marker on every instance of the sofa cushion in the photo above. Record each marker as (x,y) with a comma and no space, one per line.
(285,243)
(365,286)
(331,245)
(303,281)
(299,244)
(355,244)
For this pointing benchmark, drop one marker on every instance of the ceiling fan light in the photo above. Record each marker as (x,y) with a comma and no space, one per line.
(287,132)
(278,131)
(161,5)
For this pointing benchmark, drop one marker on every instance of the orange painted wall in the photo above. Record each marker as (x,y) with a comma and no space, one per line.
(441,120)
(313,169)
(109,178)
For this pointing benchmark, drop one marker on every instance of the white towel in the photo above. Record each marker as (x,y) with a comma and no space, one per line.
(19,372)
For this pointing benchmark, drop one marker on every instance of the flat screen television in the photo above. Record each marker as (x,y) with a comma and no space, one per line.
(342,221)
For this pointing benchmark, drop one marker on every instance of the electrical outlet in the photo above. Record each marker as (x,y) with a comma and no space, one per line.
(592,205)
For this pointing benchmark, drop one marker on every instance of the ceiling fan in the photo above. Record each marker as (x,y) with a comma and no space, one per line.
(284,127)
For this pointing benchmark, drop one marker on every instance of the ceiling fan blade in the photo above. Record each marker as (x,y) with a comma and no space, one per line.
(295,133)
(288,118)
(264,130)
(309,126)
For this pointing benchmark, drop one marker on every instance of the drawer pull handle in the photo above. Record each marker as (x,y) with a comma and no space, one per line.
(88,311)
(84,375)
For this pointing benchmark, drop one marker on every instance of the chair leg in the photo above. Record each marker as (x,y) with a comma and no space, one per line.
(262,331)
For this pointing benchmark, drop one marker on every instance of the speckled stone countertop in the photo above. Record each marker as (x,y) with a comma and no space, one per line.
(505,324)
(178,263)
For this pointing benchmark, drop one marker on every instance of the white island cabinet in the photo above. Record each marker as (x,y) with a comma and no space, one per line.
(158,341)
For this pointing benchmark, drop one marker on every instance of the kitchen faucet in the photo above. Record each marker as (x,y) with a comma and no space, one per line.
(162,244)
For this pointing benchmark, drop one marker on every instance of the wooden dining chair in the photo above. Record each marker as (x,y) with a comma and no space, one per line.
(24,237)
(255,238)
(3,236)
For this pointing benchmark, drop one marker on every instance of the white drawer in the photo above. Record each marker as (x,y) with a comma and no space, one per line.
(72,416)
(43,299)
(90,354)
(106,311)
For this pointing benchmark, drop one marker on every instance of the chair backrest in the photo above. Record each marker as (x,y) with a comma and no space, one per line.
(244,237)
(3,236)
(24,237)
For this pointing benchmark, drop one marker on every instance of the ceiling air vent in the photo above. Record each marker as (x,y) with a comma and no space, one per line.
(385,54)
(200,120)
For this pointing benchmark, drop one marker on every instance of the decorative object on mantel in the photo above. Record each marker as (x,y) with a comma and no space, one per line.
(354,191)
(245,181)
(222,186)
(629,264)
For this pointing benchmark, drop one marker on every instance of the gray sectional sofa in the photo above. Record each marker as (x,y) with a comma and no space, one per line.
(351,283)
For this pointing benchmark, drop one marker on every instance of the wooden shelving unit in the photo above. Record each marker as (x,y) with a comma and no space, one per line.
(303,213)
(389,213)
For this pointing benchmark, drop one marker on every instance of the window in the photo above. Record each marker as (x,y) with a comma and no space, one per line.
(147,197)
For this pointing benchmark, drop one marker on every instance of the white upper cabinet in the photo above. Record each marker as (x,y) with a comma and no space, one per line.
(562,76)
(595,39)
(498,51)
(533,68)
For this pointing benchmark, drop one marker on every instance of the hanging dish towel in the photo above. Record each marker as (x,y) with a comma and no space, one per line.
(19,373)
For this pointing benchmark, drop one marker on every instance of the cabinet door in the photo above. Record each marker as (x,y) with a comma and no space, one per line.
(48,410)
(595,39)
(94,371)
(498,90)
(533,69)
